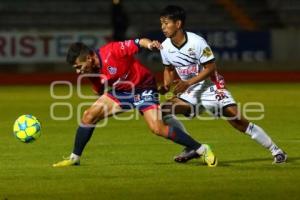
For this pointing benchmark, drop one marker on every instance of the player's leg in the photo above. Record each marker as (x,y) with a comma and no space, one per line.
(254,131)
(153,118)
(169,110)
(102,108)
(172,107)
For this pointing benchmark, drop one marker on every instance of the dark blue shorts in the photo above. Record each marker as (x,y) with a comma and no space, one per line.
(142,100)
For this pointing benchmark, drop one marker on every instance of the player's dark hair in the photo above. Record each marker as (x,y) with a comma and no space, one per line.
(77,50)
(174,13)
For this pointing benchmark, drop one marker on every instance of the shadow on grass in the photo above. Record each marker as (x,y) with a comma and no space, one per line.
(253,160)
(198,162)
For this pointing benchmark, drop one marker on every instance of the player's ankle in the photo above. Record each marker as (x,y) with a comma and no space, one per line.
(73,156)
(274,149)
(200,150)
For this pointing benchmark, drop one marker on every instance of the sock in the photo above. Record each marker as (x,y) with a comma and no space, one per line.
(180,137)
(260,136)
(74,156)
(83,135)
(201,150)
(173,121)
(275,149)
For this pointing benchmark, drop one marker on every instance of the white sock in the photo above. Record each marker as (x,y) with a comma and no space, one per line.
(173,121)
(74,156)
(261,137)
(201,150)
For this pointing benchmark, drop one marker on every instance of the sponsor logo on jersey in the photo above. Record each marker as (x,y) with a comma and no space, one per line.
(207,52)
(112,70)
(193,69)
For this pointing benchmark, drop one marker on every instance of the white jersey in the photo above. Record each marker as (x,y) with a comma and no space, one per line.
(188,58)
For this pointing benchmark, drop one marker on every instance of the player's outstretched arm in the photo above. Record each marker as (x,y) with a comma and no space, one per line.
(150,44)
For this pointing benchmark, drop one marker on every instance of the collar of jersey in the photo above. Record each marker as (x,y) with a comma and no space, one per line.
(186,40)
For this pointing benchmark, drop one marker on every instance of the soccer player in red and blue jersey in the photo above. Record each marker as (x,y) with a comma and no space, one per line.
(132,87)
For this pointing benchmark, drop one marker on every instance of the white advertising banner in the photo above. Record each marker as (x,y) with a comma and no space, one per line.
(37,47)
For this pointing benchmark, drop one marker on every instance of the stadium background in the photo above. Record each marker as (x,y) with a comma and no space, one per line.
(255,41)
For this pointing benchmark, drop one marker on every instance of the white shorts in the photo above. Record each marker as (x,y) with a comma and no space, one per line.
(207,98)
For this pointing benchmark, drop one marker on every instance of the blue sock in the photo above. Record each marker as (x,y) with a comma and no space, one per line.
(83,135)
(180,137)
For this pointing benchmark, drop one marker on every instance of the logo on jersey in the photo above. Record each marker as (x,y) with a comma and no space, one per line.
(112,70)
(188,70)
(207,52)
(191,52)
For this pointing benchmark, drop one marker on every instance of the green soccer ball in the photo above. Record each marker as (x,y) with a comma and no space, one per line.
(27,128)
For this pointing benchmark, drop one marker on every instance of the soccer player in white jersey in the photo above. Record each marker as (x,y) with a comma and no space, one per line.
(200,86)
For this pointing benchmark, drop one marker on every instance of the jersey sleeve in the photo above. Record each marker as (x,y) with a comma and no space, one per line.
(124,48)
(206,53)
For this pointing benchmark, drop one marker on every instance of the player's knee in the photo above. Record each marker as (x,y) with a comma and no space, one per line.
(88,118)
(156,129)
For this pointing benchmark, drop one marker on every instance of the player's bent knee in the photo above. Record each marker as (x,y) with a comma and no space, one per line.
(155,129)
(88,118)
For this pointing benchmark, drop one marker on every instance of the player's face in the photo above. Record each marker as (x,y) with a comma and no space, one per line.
(169,27)
(87,66)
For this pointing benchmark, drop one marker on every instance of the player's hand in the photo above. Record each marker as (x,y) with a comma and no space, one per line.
(154,45)
(163,89)
(180,86)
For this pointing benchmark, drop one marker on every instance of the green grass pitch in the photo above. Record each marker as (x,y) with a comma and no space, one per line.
(125,161)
